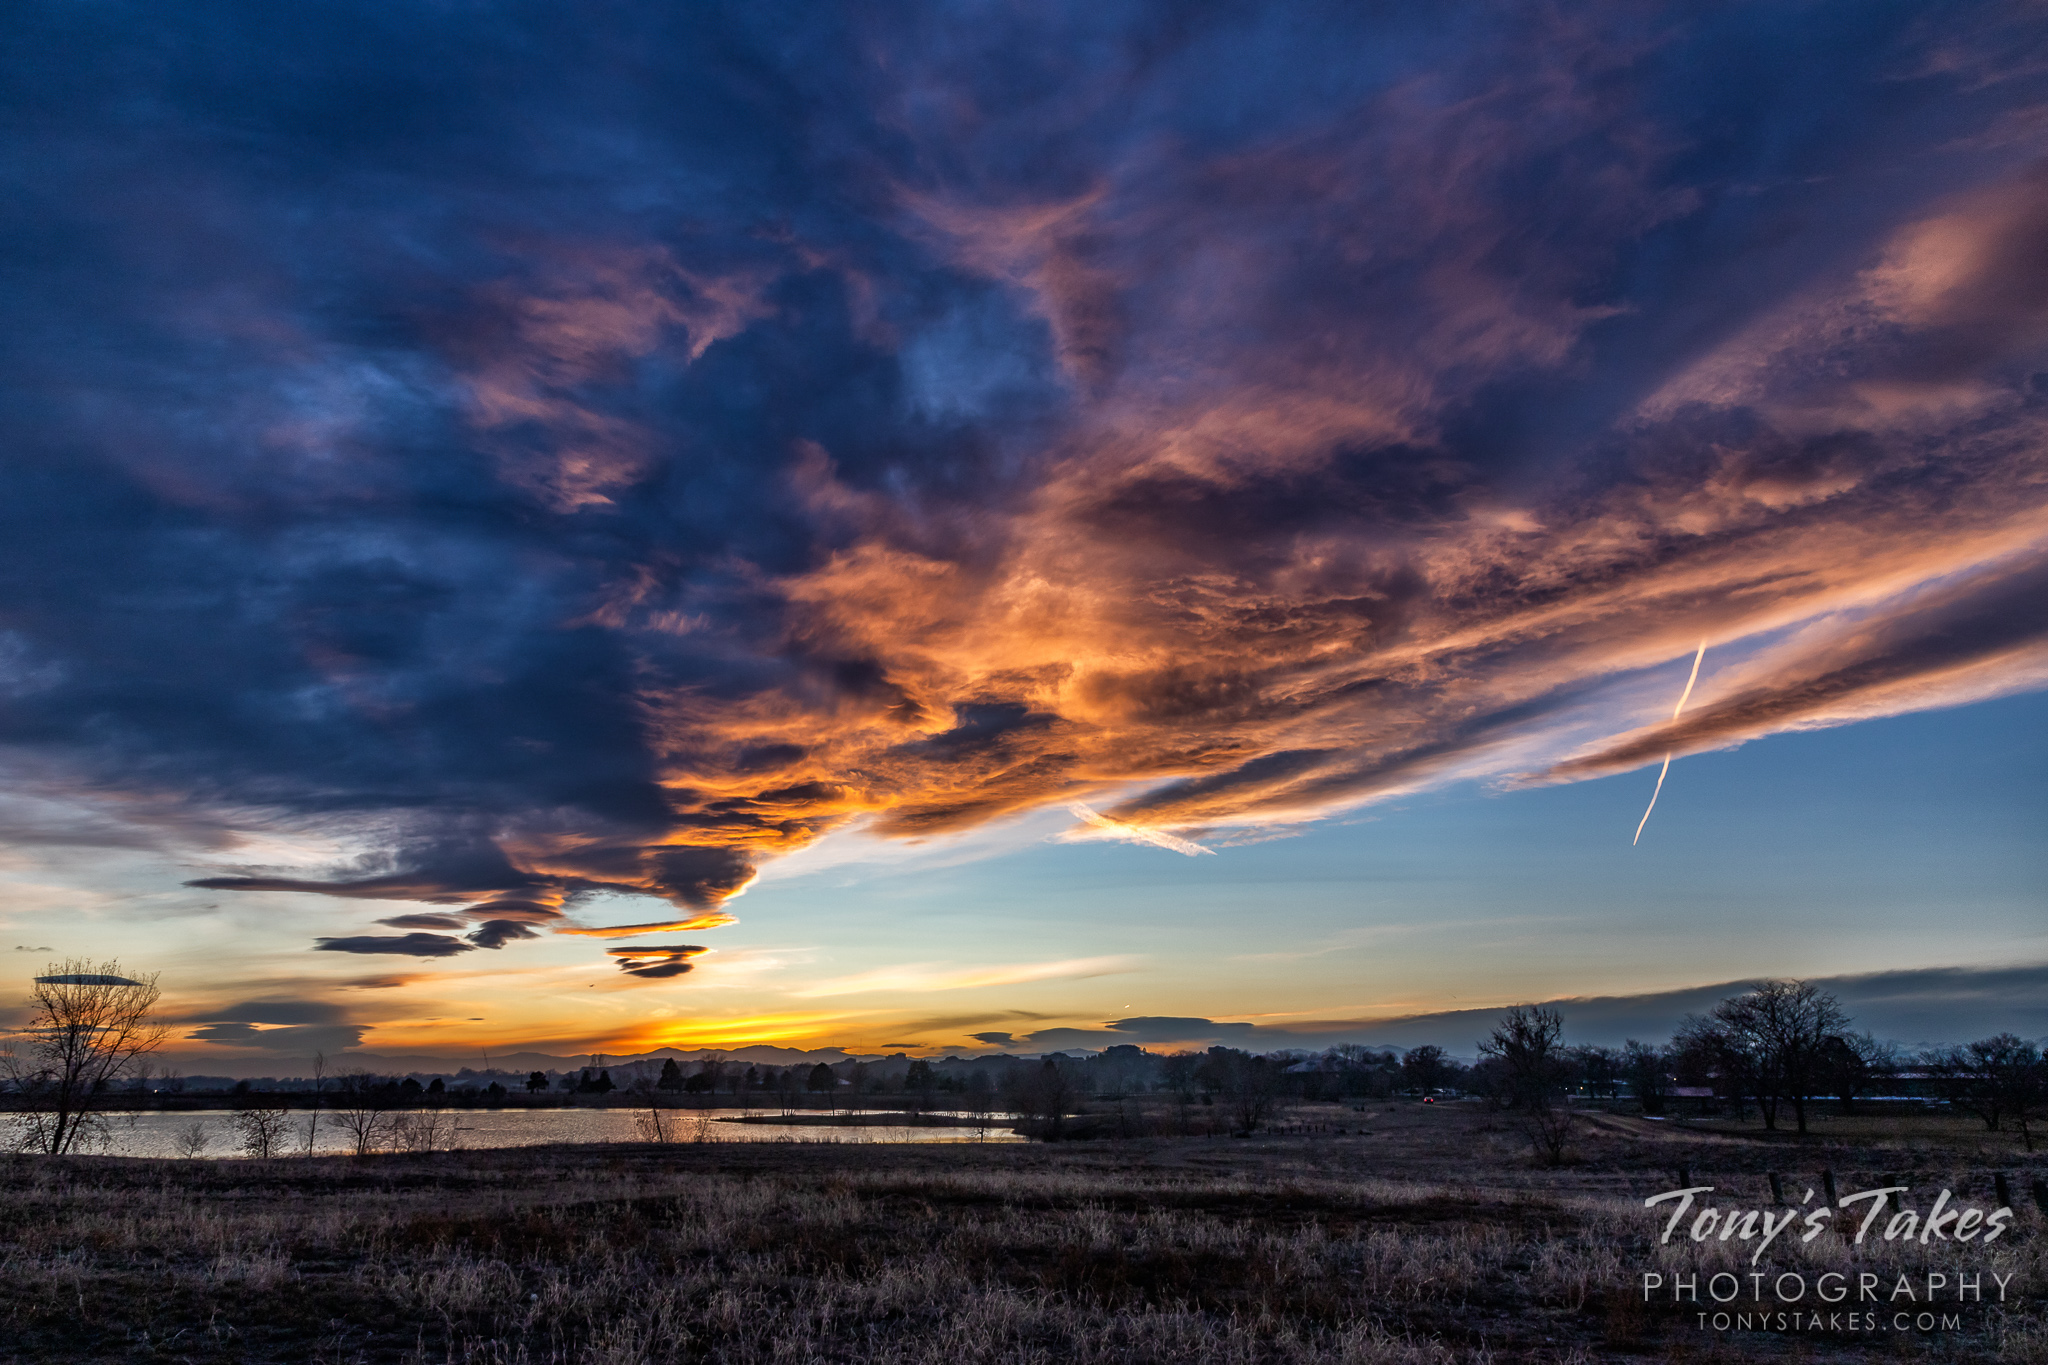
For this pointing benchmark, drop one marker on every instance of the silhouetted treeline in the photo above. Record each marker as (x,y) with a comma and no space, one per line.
(1776,1049)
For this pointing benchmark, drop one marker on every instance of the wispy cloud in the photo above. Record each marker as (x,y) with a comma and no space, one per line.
(921,977)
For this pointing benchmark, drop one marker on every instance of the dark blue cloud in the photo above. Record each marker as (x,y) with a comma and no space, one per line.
(275,1012)
(299,1038)
(496,933)
(425,922)
(402,945)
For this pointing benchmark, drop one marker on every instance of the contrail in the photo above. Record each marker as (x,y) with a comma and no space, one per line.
(1149,836)
(1667,758)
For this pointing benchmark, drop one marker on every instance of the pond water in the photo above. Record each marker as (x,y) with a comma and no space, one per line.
(162,1135)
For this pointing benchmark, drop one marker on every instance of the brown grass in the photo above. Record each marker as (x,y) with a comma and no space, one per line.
(1432,1238)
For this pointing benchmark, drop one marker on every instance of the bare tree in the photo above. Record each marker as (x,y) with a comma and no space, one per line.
(1778,1031)
(655,1126)
(1704,1051)
(1645,1067)
(1855,1062)
(360,1111)
(319,1084)
(262,1131)
(1043,1093)
(88,1026)
(1119,1069)
(192,1140)
(1529,1045)
(1427,1068)
(1252,1087)
(2000,1078)
(1178,1071)
(980,1103)
(1599,1069)
(919,1080)
(424,1130)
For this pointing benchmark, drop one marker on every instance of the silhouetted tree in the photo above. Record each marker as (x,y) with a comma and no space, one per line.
(821,1081)
(360,1103)
(1598,1069)
(1773,1036)
(671,1077)
(1251,1087)
(1528,1042)
(1426,1068)
(261,1130)
(1644,1068)
(1177,1070)
(1488,1078)
(1704,1056)
(1044,1093)
(1997,1078)
(88,1026)
(1852,1063)
(1212,1072)
(536,1082)
(980,1099)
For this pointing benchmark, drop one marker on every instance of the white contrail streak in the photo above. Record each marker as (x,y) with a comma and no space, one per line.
(1667,758)
(1138,832)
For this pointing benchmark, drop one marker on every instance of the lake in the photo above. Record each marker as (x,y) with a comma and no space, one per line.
(161,1134)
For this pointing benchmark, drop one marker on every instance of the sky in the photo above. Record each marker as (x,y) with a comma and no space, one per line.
(1005,526)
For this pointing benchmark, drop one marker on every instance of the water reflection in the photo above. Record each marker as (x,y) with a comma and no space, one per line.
(213,1131)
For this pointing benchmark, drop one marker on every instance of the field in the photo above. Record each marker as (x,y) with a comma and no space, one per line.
(1429,1237)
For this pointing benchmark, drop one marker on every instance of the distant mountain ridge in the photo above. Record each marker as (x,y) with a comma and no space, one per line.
(396,1064)
(1915,1007)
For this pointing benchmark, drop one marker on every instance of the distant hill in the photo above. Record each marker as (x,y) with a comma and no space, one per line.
(1914,1007)
(399,1064)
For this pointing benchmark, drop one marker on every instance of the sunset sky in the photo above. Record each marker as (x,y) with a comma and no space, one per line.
(1015,525)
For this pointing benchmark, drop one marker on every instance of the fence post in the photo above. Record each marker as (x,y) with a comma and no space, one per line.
(2041,1195)
(2003,1190)
(1827,1184)
(1777,1188)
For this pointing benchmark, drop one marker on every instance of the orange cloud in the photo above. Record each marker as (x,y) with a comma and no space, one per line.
(708,919)
(1269,560)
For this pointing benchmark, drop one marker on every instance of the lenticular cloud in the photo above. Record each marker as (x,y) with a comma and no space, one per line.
(554,458)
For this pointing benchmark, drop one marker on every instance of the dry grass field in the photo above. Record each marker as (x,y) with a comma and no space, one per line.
(1429,1237)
